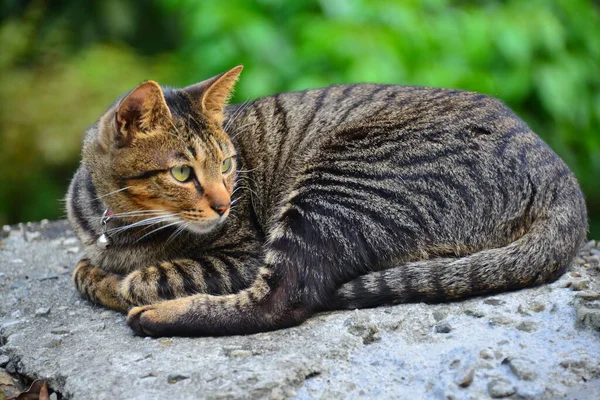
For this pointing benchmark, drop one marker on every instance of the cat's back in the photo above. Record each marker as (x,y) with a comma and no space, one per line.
(412,127)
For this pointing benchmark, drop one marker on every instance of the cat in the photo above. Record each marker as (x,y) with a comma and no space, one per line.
(199,218)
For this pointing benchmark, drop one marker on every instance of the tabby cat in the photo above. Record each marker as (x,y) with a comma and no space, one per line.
(199,218)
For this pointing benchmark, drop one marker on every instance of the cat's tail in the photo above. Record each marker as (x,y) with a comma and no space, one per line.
(541,255)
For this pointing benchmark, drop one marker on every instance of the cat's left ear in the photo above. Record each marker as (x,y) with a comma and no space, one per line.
(212,95)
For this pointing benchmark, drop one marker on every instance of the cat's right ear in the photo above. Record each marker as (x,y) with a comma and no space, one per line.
(212,95)
(141,111)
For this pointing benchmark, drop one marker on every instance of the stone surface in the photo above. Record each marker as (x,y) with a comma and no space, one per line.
(525,344)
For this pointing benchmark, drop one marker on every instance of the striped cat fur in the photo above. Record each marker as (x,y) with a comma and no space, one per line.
(344,197)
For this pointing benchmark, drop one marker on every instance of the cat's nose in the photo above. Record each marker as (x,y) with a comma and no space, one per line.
(220,208)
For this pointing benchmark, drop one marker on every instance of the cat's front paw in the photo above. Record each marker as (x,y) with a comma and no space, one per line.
(160,319)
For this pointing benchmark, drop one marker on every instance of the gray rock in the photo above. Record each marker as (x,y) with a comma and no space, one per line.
(588,295)
(486,354)
(70,241)
(240,353)
(174,378)
(46,277)
(11,368)
(527,326)
(42,311)
(494,302)
(499,388)
(589,317)
(78,345)
(443,327)
(18,284)
(464,376)
(439,315)
(474,313)
(500,320)
(361,325)
(579,284)
(4,359)
(524,369)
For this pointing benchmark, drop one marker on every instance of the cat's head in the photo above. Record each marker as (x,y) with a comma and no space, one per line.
(163,154)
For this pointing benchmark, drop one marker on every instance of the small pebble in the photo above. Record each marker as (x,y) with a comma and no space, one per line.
(59,331)
(499,388)
(589,245)
(500,320)
(16,261)
(72,250)
(53,396)
(439,315)
(464,377)
(595,260)
(42,311)
(240,353)
(486,354)
(588,295)
(18,284)
(538,307)
(4,360)
(174,378)
(70,241)
(11,368)
(573,364)
(475,313)
(54,343)
(523,369)
(33,235)
(443,327)
(494,302)
(589,317)
(47,277)
(527,326)
(579,284)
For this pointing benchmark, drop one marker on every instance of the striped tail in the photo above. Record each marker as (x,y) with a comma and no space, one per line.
(540,255)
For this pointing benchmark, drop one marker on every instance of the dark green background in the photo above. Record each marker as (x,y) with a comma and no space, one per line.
(63,62)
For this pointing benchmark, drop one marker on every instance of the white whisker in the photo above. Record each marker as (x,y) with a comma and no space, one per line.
(158,229)
(144,222)
(178,231)
(111,193)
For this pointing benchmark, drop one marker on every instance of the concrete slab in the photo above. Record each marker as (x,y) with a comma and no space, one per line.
(537,343)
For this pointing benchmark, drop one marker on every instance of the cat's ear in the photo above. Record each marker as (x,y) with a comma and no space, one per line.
(213,94)
(142,110)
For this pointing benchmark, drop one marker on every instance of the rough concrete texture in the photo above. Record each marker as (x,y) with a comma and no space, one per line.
(540,343)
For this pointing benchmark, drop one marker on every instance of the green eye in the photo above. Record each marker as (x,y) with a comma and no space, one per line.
(226,165)
(181,173)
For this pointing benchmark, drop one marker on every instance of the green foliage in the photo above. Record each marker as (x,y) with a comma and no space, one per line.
(61,65)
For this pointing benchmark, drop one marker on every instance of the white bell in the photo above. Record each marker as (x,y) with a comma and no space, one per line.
(103,241)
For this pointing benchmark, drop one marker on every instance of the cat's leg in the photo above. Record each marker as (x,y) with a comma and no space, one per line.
(305,261)
(99,286)
(164,281)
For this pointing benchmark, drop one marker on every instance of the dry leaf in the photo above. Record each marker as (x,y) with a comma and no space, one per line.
(37,391)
